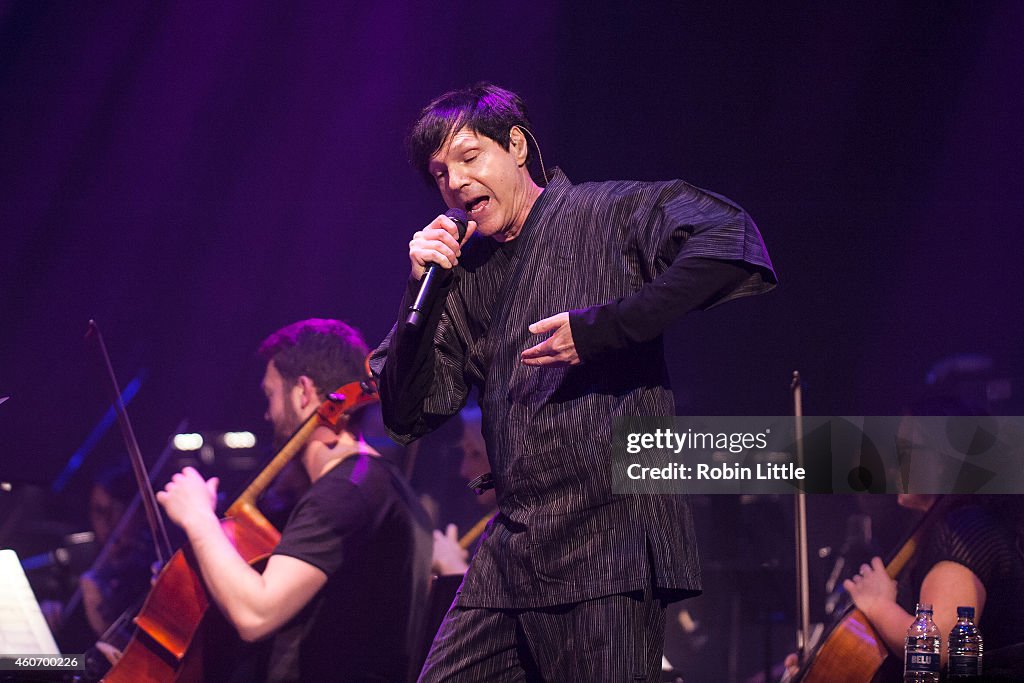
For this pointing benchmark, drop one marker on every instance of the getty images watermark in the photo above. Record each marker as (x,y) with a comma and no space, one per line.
(893,454)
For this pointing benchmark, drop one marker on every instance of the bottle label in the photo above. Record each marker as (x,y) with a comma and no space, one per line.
(922,662)
(964,665)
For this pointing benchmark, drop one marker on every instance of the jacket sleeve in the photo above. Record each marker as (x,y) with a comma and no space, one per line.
(421,372)
(701,250)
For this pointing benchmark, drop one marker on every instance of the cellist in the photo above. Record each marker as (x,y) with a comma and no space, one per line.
(968,552)
(342,593)
(969,557)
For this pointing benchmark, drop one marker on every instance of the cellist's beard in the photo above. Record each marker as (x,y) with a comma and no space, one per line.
(281,437)
(285,427)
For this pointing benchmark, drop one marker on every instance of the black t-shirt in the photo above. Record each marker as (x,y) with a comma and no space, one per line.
(363,526)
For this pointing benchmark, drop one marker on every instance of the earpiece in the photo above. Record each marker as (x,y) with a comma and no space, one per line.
(540,157)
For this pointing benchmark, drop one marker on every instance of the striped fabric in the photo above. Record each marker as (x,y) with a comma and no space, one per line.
(560,535)
(617,638)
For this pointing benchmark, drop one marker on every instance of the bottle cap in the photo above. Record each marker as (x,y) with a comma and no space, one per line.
(924,607)
(965,612)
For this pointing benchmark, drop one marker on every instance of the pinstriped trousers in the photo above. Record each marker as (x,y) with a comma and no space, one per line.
(614,638)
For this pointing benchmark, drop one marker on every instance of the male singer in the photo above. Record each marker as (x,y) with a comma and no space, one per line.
(557,320)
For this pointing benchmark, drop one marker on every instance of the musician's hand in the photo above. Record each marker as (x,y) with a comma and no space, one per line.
(188,499)
(324,445)
(112,654)
(871,587)
(437,243)
(556,351)
(790,666)
(449,557)
(325,449)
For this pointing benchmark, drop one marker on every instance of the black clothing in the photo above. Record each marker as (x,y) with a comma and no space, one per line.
(621,256)
(363,526)
(978,536)
(619,325)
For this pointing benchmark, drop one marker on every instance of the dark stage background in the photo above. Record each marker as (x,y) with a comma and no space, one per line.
(196,175)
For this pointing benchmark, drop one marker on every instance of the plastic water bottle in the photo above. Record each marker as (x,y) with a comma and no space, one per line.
(965,647)
(921,660)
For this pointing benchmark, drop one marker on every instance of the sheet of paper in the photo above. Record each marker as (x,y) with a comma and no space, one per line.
(23,630)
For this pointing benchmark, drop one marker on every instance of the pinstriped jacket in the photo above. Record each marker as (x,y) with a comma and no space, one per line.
(561,536)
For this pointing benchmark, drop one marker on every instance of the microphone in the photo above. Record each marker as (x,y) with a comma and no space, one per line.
(432,273)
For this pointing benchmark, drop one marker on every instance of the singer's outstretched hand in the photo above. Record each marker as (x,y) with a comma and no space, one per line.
(556,351)
(437,243)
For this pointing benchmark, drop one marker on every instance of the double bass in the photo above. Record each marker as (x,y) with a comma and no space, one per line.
(175,630)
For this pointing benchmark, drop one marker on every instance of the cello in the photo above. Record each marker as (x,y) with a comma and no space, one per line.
(853,652)
(173,629)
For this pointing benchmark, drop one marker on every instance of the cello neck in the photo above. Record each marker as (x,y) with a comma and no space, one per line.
(284,456)
(333,413)
(896,562)
(902,557)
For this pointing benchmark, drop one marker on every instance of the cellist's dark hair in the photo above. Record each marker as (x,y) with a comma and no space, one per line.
(329,352)
(484,108)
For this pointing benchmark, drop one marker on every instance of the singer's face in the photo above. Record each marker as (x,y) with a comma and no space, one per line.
(474,173)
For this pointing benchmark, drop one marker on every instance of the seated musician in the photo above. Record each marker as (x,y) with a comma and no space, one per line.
(970,555)
(342,594)
(449,557)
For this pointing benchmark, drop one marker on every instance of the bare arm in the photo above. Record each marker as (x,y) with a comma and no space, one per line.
(256,604)
(946,586)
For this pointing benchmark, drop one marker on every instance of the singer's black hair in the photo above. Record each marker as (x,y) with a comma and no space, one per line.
(484,108)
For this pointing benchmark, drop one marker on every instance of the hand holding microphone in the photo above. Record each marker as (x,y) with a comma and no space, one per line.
(436,247)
